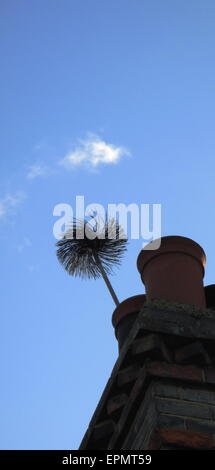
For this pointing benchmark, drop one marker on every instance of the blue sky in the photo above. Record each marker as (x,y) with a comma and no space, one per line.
(137,77)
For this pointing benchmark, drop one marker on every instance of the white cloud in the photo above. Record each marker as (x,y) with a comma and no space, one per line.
(10,202)
(93,152)
(36,171)
(25,244)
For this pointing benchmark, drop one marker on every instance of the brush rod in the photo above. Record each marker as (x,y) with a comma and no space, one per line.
(107,282)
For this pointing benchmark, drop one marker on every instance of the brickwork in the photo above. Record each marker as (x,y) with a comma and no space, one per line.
(161,393)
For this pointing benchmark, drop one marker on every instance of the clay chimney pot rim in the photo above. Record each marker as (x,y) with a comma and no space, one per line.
(128,306)
(172,244)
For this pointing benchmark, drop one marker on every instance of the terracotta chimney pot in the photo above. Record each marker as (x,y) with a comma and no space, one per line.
(124,316)
(174,271)
(210,296)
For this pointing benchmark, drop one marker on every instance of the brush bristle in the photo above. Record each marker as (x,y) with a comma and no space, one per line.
(79,256)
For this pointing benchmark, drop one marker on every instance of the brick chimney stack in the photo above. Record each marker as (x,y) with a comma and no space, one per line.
(161,393)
